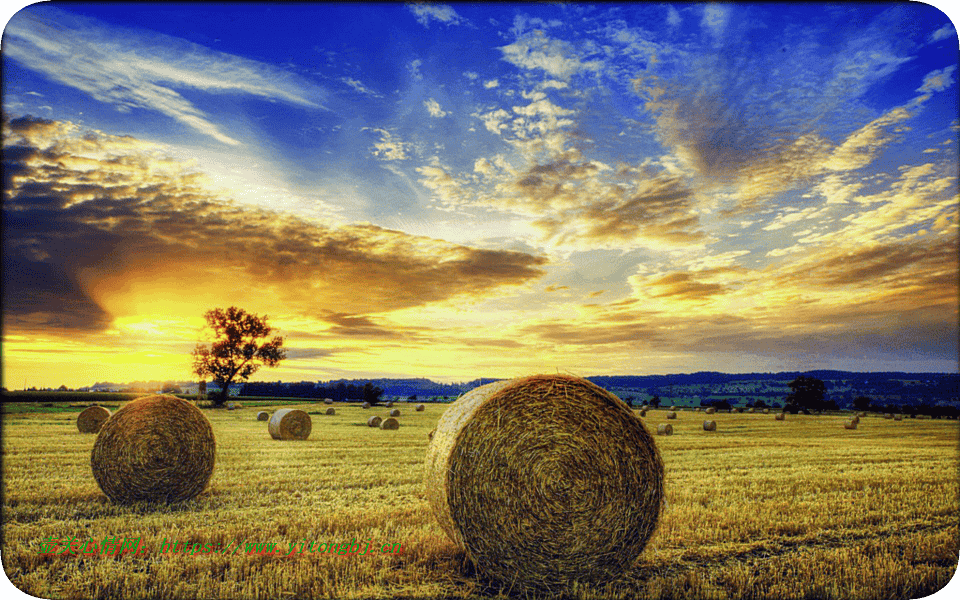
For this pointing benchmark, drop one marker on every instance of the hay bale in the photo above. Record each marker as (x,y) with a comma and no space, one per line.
(389,423)
(711,410)
(365,405)
(544,481)
(90,420)
(374,421)
(156,449)
(643,413)
(263,416)
(862,414)
(289,424)
(664,429)
(855,419)
(671,415)
(888,416)
(330,411)
(234,406)
(395,412)
(898,417)
(328,400)
(390,404)
(420,408)
(709,425)
(850,425)
(674,407)
(780,416)
(766,411)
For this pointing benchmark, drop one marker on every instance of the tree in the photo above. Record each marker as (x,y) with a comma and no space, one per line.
(862,403)
(807,394)
(241,345)
(371,393)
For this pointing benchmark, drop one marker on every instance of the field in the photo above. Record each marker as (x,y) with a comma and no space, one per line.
(758,509)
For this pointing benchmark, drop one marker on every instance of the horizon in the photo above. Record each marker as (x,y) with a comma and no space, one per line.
(481,190)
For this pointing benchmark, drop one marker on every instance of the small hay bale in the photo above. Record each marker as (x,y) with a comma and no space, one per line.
(365,405)
(898,417)
(289,424)
(263,416)
(330,411)
(90,420)
(850,425)
(389,423)
(395,412)
(545,481)
(709,425)
(664,429)
(643,413)
(862,414)
(390,404)
(328,400)
(155,449)
(888,416)
(674,407)
(766,411)
(856,419)
(711,410)
(780,416)
(374,421)
(420,408)
(671,415)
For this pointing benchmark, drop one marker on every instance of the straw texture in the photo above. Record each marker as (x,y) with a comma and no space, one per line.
(545,481)
(91,419)
(389,423)
(290,424)
(155,449)
(374,421)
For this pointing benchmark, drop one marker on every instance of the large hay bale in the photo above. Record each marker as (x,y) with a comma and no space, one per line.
(389,423)
(395,412)
(90,420)
(420,408)
(709,425)
(289,424)
(374,421)
(711,410)
(671,415)
(544,481)
(664,429)
(263,416)
(330,411)
(780,416)
(850,425)
(157,449)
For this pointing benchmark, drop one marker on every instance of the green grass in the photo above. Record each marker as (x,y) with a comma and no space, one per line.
(758,509)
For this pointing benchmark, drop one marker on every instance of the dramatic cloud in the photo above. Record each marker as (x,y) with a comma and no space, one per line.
(436,12)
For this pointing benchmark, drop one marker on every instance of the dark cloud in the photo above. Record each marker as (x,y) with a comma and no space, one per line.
(97,227)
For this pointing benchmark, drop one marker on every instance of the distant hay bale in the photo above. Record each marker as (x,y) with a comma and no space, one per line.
(856,419)
(862,414)
(395,412)
(664,429)
(374,421)
(289,424)
(365,405)
(234,406)
(850,425)
(643,413)
(671,415)
(389,423)
(328,400)
(898,417)
(263,416)
(780,416)
(420,408)
(90,420)
(674,407)
(585,481)
(330,411)
(766,411)
(709,425)
(711,410)
(888,416)
(390,404)
(156,448)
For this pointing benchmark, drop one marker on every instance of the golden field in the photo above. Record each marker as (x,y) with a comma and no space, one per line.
(801,508)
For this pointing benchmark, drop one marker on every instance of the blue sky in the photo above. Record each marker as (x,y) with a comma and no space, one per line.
(483,189)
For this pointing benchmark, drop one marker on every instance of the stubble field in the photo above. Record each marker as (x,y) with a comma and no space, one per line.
(801,508)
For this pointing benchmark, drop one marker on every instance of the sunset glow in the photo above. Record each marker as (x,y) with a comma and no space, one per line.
(481,190)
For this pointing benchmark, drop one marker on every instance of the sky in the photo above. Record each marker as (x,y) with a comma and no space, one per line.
(480,190)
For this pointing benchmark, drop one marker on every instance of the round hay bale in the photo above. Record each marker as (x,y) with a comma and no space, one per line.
(374,421)
(420,408)
(674,407)
(544,481)
(664,429)
(671,415)
(643,413)
(395,412)
(780,416)
(328,401)
(156,449)
(711,410)
(390,404)
(709,425)
(888,416)
(90,420)
(862,414)
(855,419)
(263,416)
(850,425)
(289,424)
(766,411)
(898,417)
(365,405)
(389,423)
(330,411)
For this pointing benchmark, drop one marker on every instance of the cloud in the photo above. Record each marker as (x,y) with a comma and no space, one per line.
(557,58)
(99,228)
(88,55)
(435,12)
(714,20)
(358,86)
(389,147)
(433,107)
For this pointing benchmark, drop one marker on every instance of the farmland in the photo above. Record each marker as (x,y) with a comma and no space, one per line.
(800,508)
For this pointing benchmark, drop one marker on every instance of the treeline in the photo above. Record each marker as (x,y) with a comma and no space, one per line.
(338,392)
